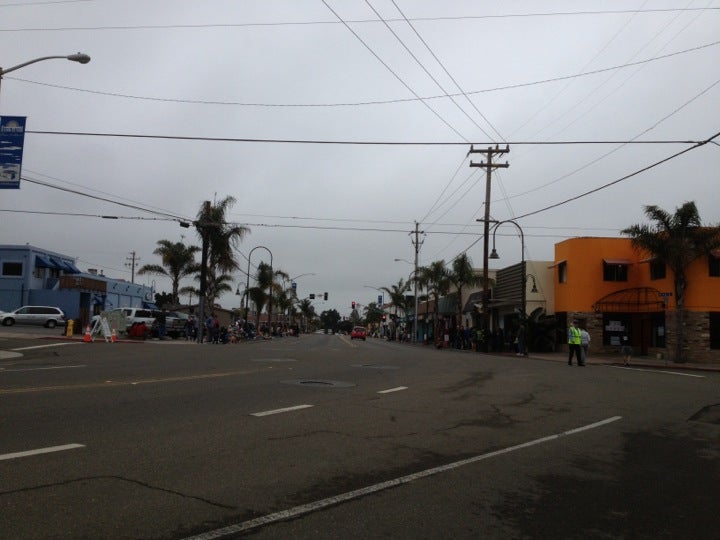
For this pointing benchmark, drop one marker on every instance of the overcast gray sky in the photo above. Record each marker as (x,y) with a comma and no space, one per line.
(376,71)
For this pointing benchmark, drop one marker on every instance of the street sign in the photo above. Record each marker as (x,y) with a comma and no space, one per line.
(12,138)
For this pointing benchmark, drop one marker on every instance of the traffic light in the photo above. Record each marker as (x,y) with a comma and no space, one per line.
(326,297)
(353,305)
(312,296)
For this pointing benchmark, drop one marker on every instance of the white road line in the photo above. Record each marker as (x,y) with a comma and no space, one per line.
(660,371)
(389,390)
(47,450)
(46,346)
(43,368)
(278,411)
(331,501)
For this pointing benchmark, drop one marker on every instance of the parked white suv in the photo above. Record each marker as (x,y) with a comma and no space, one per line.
(130,315)
(48,316)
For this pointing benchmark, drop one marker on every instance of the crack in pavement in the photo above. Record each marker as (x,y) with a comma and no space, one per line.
(123,479)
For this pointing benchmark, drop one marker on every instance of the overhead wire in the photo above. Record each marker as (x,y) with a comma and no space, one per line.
(400,79)
(442,65)
(310,23)
(609,184)
(427,72)
(369,102)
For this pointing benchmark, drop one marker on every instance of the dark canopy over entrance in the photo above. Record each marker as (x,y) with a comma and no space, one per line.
(635,300)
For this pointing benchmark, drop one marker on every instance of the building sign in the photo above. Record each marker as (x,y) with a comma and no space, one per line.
(12,137)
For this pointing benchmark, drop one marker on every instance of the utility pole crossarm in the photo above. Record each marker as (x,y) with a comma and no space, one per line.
(488,165)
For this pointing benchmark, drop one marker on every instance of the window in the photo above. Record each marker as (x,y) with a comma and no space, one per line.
(614,271)
(657,269)
(616,325)
(13,269)
(715,330)
(562,272)
(713,265)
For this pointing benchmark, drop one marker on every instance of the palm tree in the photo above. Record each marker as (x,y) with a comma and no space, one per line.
(259,298)
(675,240)
(437,281)
(220,238)
(178,261)
(462,275)
(307,310)
(397,295)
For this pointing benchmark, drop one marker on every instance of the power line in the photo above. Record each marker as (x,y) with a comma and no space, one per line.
(75,192)
(644,169)
(361,40)
(348,142)
(585,194)
(312,23)
(371,102)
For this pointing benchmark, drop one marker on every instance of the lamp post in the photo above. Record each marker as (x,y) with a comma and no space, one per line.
(301,275)
(78,57)
(247,287)
(494,255)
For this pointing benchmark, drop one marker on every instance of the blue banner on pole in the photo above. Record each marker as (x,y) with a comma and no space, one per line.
(12,138)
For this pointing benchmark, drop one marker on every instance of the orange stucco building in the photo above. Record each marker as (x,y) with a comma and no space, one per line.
(612,290)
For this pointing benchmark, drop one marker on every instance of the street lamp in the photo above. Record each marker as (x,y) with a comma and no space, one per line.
(524,276)
(247,287)
(78,57)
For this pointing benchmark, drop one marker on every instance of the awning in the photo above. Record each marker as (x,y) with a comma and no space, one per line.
(621,262)
(73,269)
(635,300)
(62,265)
(557,263)
(42,262)
(474,302)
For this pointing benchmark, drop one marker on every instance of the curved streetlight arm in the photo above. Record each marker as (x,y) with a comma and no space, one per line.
(78,57)
(494,255)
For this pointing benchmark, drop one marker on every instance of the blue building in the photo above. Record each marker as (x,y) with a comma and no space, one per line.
(34,276)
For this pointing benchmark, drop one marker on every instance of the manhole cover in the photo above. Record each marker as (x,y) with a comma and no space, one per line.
(709,415)
(274,360)
(374,366)
(319,383)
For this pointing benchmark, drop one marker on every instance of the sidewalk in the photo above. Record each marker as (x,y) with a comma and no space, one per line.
(617,360)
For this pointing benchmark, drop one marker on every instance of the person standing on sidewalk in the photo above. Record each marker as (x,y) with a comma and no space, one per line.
(625,349)
(574,347)
(584,343)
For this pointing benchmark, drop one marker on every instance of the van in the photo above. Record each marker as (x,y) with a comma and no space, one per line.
(47,316)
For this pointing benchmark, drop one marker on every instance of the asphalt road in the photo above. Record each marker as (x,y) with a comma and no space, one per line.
(321,437)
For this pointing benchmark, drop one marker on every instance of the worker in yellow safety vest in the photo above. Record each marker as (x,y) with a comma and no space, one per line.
(574,341)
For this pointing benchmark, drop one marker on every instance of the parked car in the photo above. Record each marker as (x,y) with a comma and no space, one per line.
(47,316)
(359,332)
(174,323)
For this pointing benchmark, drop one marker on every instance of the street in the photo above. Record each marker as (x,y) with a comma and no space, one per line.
(324,437)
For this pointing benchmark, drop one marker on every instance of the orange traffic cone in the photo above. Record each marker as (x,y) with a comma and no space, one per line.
(113,336)
(87,338)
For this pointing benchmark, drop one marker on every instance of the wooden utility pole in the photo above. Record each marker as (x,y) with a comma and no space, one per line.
(417,244)
(488,165)
(133,260)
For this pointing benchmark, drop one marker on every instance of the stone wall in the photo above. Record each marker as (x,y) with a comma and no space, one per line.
(697,338)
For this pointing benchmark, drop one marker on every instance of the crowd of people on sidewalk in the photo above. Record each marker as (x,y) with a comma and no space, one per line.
(238,330)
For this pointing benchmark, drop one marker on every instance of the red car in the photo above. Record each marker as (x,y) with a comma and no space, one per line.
(358,332)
